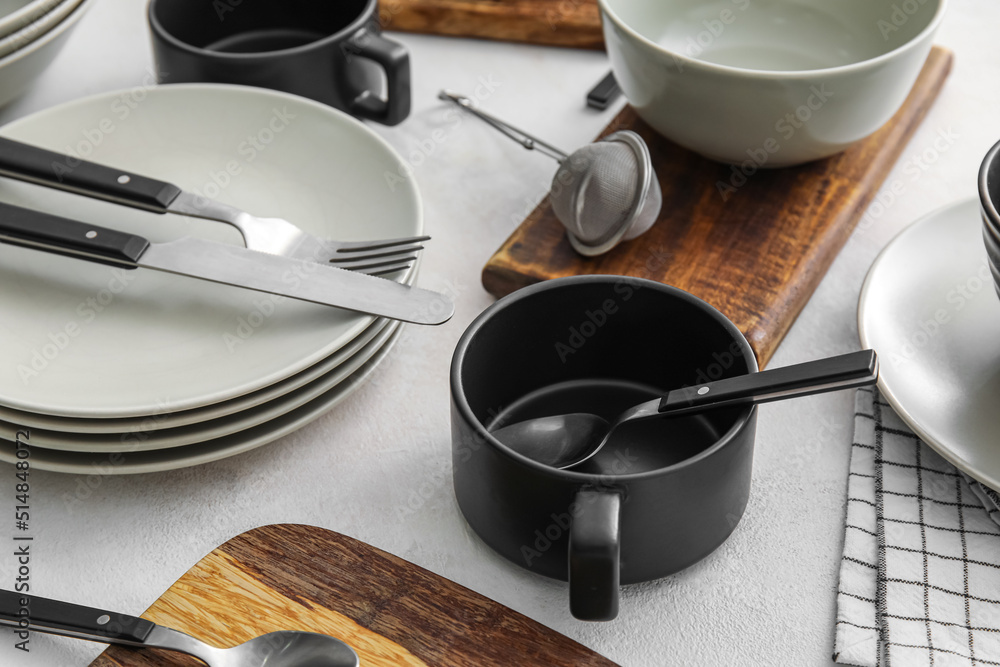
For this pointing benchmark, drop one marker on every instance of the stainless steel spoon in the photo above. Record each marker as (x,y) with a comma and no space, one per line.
(275,649)
(564,441)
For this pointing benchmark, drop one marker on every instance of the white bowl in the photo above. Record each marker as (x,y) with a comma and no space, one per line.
(771,83)
(21,67)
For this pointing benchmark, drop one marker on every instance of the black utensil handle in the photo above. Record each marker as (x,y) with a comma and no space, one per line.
(34,229)
(594,552)
(63,618)
(65,172)
(395,60)
(841,372)
(604,93)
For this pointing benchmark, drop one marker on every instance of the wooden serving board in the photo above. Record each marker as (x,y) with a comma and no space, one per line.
(393,613)
(756,253)
(574,23)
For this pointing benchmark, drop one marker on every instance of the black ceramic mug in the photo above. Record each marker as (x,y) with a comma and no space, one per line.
(648,504)
(328,51)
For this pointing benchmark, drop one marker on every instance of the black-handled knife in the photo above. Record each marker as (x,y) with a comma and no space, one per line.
(221,263)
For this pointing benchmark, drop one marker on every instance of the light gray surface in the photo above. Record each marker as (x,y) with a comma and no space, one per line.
(378,468)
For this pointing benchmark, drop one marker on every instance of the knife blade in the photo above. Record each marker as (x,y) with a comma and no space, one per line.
(226,264)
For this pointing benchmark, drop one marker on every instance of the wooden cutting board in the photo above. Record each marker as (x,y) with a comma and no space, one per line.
(393,613)
(574,23)
(756,252)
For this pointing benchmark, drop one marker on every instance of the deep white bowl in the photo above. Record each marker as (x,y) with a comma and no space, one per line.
(772,82)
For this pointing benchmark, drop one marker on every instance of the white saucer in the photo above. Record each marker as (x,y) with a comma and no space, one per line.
(157,342)
(159,460)
(928,307)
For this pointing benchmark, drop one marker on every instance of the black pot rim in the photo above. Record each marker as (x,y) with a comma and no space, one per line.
(462,404)
(159,30)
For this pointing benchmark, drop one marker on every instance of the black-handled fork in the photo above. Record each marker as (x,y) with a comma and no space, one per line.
(276,236)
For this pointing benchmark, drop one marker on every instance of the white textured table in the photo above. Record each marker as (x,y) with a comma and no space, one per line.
(378,467)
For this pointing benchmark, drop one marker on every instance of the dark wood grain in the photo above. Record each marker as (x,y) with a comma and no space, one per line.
(573,23)
(391,611)
(757,254)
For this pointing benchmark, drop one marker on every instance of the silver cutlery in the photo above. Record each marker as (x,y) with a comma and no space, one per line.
(227,264)
(272,235)
(275,649)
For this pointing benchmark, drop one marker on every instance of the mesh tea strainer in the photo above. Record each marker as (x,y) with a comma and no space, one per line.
(603,193)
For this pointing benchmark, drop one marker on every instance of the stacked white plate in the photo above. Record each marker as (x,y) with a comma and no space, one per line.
(31,34)
(116,371)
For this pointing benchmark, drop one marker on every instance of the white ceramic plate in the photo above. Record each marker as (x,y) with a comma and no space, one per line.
(27,34)
(170,420)
(145,439)
(89,341)
(20,68)
(159,460)
(15,14)
(929,309)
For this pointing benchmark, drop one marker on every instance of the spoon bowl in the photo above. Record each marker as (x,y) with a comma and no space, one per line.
(284,648)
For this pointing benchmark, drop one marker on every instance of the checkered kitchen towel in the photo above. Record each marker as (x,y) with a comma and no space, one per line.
(920,577)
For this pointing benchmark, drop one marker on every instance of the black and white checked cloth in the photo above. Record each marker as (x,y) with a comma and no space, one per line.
(920,577)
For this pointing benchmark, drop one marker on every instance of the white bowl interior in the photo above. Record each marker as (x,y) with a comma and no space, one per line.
(777,35)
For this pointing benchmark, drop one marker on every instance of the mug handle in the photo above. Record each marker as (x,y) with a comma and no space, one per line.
(594,556)
(395,60)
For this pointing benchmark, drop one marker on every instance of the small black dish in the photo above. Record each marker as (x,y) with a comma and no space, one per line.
(332,52)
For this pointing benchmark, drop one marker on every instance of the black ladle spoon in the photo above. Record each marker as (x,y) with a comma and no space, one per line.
(564,441)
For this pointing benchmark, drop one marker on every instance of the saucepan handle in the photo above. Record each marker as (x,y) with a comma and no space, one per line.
(594,556)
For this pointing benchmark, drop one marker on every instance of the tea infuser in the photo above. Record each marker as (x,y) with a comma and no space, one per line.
(603,193)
